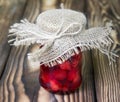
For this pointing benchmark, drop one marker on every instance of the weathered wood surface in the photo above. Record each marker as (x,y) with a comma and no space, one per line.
(19,81)
(10,11)
(107,77)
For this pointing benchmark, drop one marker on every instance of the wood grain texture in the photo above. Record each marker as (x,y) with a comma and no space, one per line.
(12,87)
(19,82)
(107,77)
(10,11)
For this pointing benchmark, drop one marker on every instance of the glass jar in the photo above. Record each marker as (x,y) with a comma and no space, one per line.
(62,78)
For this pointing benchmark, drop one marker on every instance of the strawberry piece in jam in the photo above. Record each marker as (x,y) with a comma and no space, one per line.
(62,78)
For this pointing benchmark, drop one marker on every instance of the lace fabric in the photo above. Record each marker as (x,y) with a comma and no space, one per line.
(61,32)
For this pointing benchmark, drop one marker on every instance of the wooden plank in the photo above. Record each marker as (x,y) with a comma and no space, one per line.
(11,85)
(107,77)
(10,11)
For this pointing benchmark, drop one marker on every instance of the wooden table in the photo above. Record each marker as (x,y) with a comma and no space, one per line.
(19,81)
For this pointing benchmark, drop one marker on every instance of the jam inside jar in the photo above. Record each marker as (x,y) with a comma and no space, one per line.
(62,78)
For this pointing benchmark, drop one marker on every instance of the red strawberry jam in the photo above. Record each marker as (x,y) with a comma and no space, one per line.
(62,78)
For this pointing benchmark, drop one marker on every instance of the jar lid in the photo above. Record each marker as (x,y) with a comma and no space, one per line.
(51,21)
